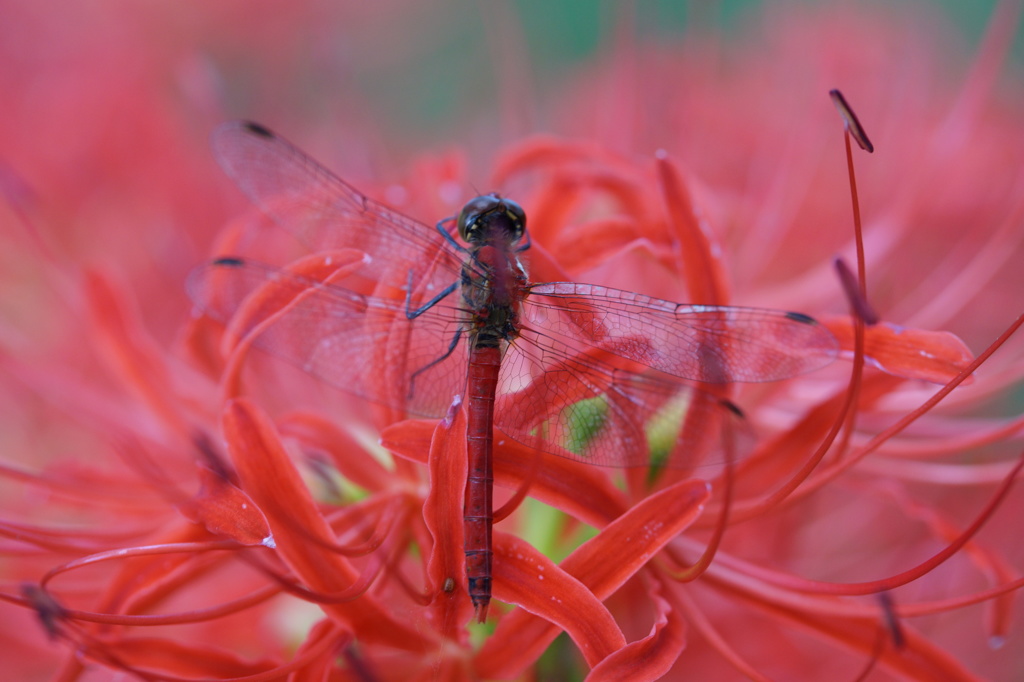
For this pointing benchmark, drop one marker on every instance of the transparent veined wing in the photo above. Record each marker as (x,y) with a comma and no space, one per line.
(325,213)
(363,344)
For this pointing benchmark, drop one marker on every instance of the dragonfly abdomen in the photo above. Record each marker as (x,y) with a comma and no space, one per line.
(482,382)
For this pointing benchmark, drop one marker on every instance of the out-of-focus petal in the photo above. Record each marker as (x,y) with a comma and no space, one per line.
(705,277)
(352,460)
(934,356)
(227,511)
(276,294)
(272,299)
(130,350)
(177,659)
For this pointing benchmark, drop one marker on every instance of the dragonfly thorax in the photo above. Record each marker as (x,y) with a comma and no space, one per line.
(491,219)
(494,283)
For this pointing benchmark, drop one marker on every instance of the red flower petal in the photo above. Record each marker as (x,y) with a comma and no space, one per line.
(602,564)
(442,513)
(347,454)
(586,245)
(705,276)
(274,298)
(270,477)
(276,294)
(131,351)
(582,491)
(525,577)
(175,658)
(410,439)
(227,511)
(648,658)
(934,356)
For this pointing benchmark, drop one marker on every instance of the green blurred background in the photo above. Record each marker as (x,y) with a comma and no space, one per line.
(424,85)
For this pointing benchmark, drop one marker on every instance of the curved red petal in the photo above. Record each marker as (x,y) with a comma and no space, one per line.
(602,564)
(269,476)
(525,577)
(934,356)
(442,513)
(345,451)
(178,659)
(131,351)
(648,658)
(227,511)
(705,276)
(410,439)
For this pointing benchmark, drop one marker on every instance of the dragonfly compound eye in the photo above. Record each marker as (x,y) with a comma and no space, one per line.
(490,212)
(470,224)
(517,218)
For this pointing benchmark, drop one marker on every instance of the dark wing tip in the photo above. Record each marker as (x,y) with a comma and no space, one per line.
(734,408)
(800,317)
(229,261)
(256,129)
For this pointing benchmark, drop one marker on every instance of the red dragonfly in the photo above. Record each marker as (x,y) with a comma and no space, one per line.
(578,370)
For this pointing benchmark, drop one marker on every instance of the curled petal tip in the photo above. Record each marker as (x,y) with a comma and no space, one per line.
(452,409)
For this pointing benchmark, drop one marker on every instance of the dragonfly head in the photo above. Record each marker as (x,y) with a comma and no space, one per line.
(490,218)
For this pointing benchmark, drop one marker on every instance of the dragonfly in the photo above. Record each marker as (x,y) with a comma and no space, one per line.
(578,370)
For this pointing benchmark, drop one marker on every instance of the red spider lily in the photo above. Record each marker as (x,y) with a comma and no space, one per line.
(175,512)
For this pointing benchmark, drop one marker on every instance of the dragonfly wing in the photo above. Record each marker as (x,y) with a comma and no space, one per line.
(362,344)
(588,409)
(324,212)
(711,344)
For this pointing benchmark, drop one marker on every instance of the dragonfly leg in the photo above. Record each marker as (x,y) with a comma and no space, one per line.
(451,349)
(413,314)
(448,237)
(526,244)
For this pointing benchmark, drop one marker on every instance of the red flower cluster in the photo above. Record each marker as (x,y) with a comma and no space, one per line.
(179,508)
